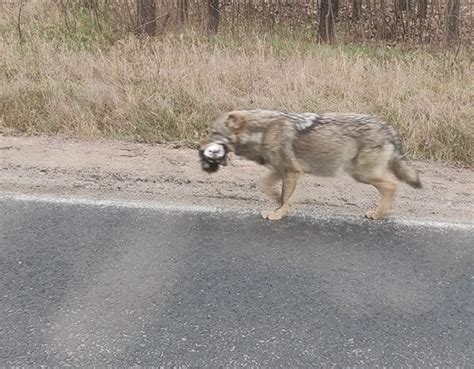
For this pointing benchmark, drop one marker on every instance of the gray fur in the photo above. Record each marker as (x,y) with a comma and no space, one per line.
(291,144)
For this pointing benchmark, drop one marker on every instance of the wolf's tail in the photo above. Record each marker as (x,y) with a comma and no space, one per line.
(404,173)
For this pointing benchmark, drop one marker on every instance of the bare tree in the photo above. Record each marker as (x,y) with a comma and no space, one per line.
(335,8)
(146,12)
(183,6)
(89,4)
(356,9)
(422,8)
(452,20)
(403,4)
(326,21)
(214,16)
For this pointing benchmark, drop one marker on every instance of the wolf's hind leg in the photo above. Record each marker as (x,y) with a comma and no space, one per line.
(371,167)
(386,188)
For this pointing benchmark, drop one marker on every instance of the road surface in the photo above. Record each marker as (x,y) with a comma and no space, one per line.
(86,283)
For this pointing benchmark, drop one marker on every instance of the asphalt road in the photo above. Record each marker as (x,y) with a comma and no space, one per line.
(84,285)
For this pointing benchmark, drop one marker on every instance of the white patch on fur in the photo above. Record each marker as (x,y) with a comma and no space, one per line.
(214,151)
(253,138)
(306,122)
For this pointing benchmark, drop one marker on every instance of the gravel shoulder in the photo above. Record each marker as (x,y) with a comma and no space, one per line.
(168,174)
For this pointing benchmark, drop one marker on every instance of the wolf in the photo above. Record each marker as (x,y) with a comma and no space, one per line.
(326,144)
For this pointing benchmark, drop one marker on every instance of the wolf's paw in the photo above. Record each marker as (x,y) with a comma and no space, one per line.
(273,214)
(374,215)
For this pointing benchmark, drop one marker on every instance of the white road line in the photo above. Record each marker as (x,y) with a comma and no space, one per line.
(116,203)
(463,225)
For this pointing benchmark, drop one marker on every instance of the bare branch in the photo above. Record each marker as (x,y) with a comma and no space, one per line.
(18,24)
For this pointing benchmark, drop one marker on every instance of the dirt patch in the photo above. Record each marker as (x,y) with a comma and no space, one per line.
(172,175)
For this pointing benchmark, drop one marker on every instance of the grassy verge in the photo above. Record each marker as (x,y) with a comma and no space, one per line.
(171,88)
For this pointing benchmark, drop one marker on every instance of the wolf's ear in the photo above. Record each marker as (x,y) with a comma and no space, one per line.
(236,123)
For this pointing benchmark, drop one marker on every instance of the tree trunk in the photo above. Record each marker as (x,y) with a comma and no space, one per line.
(422,8)
(213,16)
(146,14)
(452,20)
(326,21)
(403,5)
(335,8)
(89,4)
(183,6)
(356,9)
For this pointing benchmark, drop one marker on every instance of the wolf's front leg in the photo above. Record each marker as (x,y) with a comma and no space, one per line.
(267,186)
(289,183)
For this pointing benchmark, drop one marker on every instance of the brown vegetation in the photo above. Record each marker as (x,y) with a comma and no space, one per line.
(73,73)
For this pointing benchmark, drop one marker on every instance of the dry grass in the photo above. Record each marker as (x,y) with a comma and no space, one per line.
(171,89)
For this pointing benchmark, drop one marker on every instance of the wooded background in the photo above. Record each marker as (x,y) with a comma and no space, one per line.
(415,21)
(435,22)
(162,70)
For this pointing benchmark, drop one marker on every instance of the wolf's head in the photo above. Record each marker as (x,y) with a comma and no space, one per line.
(223,136)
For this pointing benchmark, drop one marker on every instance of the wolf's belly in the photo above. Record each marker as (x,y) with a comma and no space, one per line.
(325,157)
(326,168)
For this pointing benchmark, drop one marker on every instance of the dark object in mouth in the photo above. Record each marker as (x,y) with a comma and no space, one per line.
(211,165)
